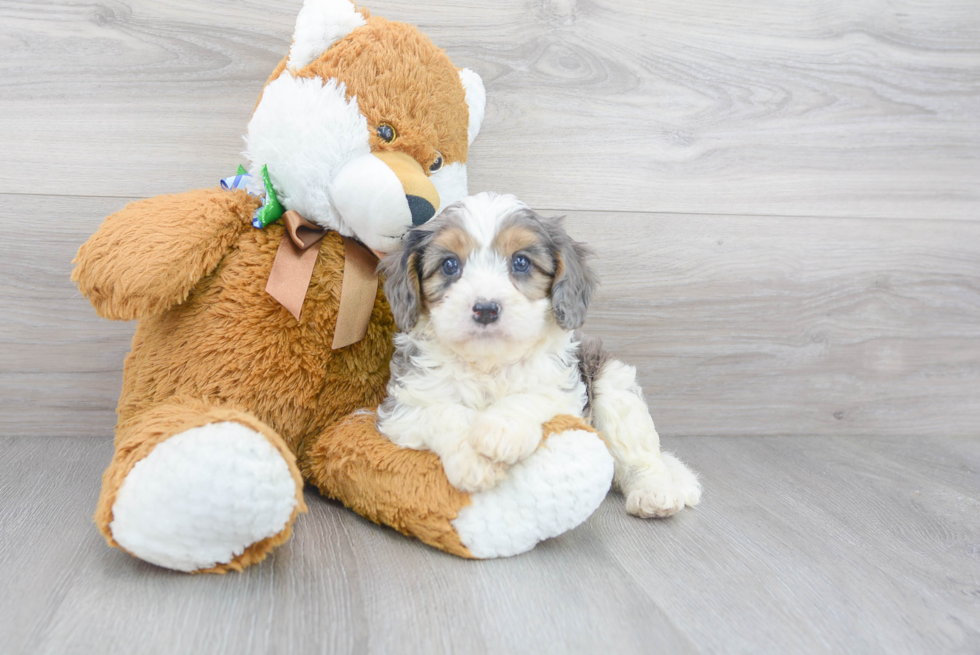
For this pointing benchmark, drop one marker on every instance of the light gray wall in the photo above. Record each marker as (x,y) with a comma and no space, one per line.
(784,199)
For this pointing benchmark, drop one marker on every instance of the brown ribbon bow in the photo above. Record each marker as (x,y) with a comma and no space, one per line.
(292,271)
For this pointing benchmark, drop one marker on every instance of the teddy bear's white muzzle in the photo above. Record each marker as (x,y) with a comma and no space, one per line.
(372,201)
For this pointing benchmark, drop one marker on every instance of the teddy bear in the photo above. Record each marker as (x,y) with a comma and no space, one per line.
(264,340)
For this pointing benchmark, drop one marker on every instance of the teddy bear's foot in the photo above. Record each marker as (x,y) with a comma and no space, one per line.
(214,497)
(552,491)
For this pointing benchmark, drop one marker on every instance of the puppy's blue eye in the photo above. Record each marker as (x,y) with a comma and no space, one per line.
(450,267)
(521,264)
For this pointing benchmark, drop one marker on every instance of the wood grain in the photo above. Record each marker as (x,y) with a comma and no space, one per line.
(722,107)
(768,326)
(737,324)
(803,545)
(784,202)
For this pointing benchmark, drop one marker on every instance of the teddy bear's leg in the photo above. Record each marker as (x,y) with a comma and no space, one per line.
(655,484)
(551,492)
(195,487)
(554,490)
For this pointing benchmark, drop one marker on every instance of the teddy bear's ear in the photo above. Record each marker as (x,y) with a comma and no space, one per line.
(319,25)
(476,100)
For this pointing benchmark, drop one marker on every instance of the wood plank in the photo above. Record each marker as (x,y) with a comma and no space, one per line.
(343,585)
(804,545)
(803,539)
(769,326)
(738,107)
(737,325)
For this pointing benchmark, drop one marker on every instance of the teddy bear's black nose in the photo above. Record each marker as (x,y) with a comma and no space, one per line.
(422,210)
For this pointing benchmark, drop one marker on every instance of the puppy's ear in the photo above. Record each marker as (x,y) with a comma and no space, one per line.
(575,281)
(402,286)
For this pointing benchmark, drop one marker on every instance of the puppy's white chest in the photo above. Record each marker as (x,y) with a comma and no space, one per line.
(555,383)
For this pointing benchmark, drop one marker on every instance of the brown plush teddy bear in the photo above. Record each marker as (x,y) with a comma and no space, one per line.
(260,352)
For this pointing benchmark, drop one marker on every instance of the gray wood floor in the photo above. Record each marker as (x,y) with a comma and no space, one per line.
(785,199)
(802,545)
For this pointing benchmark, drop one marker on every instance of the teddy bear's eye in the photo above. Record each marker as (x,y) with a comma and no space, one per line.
(386,133)
(437,164)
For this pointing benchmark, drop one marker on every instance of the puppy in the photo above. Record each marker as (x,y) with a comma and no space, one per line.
(487,297)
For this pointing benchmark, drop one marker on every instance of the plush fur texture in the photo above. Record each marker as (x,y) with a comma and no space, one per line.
(476,98)
(227,345)
(317,121)
(137,438)
(213,348)
(404,489)
(553,491)
(148,257)
(319,25)
(305,130)
(408,490)
(203,496)
(400,78)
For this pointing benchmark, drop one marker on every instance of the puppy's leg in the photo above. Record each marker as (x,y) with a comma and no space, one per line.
(443,429)
(510,430)
(654,483)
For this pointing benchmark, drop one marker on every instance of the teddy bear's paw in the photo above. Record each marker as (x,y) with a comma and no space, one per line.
(502,439)
(203,496)
(664,493)
(468,470)
(549,493)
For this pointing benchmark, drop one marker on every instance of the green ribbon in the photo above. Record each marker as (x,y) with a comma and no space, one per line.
(271,209)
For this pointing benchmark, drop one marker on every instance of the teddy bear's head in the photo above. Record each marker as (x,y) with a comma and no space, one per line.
(365,126)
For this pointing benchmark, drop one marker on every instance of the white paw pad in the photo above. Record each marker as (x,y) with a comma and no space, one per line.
(203,496)
(665,493)
(547,494)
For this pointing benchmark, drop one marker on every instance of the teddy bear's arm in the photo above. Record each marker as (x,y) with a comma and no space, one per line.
(146,258)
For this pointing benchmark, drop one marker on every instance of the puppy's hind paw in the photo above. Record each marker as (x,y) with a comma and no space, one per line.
(685,481)
(653,501)
(661,494)
(469,471)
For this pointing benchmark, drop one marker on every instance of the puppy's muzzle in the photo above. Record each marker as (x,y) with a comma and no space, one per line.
(485,313)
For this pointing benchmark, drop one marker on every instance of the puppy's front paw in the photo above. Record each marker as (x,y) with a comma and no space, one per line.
(663,493)
(468,470)
(504,440)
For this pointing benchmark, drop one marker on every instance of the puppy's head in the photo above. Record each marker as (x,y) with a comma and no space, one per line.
(488,275)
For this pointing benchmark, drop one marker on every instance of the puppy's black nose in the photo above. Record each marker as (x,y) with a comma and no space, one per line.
(422,210)
(486,312)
